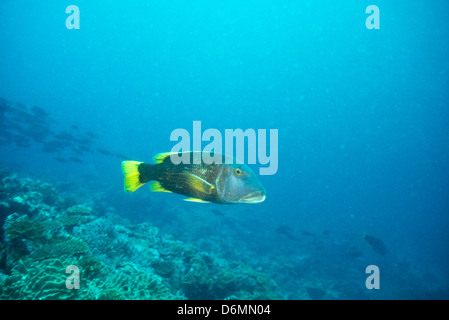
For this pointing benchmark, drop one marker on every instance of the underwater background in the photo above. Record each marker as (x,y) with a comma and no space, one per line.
(363,123)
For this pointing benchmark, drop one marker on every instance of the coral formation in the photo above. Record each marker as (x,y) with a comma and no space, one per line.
(116,259)
(37,280)
(70,221)
(22,227)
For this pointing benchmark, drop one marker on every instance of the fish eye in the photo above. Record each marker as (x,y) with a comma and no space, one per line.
(238,171)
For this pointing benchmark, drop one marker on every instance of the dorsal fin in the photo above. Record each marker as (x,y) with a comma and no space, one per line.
(160,157)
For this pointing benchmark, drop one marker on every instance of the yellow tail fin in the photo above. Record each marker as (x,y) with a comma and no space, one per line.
(131,171)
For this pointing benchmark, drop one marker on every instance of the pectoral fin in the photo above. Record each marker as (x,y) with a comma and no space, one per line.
(196,200)
(198,183)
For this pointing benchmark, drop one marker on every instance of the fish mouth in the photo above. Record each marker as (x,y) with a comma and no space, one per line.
(253,197)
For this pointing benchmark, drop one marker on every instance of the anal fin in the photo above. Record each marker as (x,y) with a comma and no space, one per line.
(155,186)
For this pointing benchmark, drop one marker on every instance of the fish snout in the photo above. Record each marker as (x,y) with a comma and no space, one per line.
(254,197)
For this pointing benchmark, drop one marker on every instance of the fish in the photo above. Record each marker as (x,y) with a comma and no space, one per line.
(288,232)
(91,135)
(24,127)
(66,136)
(221,183)
(120,156)
(22,141)
(376,244)
(77,151)
(218,212)
(105,152)
(39,112)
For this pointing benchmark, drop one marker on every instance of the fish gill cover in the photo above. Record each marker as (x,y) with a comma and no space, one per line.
(357,95)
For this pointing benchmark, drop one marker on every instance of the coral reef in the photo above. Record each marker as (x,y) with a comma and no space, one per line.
(43,235)
(30,279)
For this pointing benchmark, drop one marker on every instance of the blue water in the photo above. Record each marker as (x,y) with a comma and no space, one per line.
(362,116)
